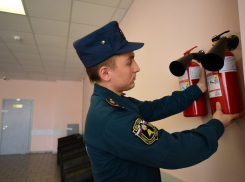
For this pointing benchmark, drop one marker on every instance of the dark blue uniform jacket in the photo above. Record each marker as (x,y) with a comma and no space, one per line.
(124,146)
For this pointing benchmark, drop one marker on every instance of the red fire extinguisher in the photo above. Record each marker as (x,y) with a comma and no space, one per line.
(223,85)
(190,77)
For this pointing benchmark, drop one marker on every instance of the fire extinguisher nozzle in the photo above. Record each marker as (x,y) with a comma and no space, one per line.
(212,62)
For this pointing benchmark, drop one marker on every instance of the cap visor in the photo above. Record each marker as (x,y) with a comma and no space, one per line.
(130,46)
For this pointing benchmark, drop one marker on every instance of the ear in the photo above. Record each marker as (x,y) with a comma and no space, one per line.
(104,75)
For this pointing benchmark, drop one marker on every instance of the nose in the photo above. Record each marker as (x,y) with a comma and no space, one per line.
(136,67)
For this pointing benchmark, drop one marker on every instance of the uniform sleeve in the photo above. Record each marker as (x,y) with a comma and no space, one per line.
(169,151)
(168,105)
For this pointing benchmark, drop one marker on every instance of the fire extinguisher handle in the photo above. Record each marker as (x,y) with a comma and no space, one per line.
(189,51)
(217,37)
(198,56)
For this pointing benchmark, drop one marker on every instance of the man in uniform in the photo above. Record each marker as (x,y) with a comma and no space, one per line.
(121,140)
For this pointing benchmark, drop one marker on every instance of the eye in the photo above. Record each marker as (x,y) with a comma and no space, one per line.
(130,62)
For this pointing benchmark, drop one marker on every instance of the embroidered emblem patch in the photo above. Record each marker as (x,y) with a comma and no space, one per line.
(145,131)
(113,103)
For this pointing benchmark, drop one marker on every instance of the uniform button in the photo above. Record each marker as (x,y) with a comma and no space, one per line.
(102,42)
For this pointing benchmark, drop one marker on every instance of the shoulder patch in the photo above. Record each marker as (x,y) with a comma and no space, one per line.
(112,102)
(145,131)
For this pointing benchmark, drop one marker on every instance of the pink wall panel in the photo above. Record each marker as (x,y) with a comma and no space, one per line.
(56,104)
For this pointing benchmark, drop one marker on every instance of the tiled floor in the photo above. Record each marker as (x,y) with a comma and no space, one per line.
(40,167)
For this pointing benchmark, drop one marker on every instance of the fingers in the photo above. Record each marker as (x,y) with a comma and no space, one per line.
(218,106)
(202,81)
(241,114)
(203,70)
(238,115)
(235,116)
(203,74)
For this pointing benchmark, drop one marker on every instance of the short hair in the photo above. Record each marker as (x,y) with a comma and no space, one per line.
(93,72)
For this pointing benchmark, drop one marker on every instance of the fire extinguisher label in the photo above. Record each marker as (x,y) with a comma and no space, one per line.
(184,81)
(184,85)
(195,72)
(213,84)
(184,77)
(216,93)
(229,64)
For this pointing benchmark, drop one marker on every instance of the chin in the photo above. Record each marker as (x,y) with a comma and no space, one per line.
(129,88)
(132,86)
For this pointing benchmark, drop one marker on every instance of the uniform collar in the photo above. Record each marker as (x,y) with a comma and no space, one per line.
(105,93)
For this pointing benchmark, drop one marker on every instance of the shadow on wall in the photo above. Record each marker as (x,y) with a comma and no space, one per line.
(168,178)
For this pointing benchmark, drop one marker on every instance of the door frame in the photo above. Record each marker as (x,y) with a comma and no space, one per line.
(30,126)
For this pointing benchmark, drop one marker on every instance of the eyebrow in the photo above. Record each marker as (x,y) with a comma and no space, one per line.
(131,57)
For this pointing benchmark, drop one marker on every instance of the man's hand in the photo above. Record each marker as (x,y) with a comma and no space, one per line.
(226,119)
(202,81)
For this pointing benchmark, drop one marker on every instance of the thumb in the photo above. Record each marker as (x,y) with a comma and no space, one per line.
(218,106)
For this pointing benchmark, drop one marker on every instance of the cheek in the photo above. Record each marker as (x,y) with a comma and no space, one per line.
(123,76)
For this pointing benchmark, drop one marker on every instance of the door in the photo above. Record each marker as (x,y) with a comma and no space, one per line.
(16,126)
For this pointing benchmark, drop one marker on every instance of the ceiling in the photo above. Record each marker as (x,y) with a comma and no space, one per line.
(45,51)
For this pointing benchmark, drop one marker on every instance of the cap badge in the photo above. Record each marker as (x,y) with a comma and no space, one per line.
(145,131)
(121,33)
